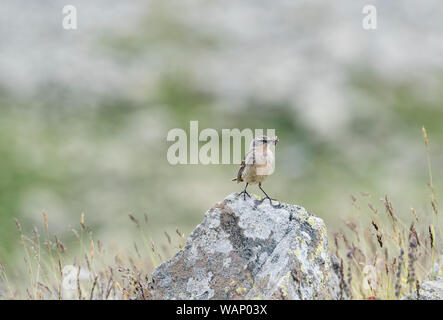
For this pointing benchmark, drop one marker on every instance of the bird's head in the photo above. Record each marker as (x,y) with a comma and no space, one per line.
(264,141)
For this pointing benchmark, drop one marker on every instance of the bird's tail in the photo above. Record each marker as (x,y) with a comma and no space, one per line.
(238,180)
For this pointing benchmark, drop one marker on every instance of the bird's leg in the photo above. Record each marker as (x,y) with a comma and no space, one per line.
(267,197)
(244,192)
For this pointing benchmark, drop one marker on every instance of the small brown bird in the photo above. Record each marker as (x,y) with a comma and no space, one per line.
(257,164)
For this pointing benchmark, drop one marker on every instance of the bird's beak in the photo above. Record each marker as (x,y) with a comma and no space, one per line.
(275,140)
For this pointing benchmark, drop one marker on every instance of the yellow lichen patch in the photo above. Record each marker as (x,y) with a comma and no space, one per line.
(322,229)
(284,283)
(300,239)
(302,212)
(317,251)
(324,278)
(314,223)
(296,253)
(241,290)
(250,278)
(328,275)
(311,221)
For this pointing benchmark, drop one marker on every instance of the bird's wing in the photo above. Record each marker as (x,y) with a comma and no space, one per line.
(246,160)
(240,172)
(250,157)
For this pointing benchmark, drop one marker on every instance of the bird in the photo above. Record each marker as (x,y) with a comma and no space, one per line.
(257,164)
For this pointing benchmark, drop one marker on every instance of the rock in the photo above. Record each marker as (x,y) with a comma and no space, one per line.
(429,290)
(245,249)
(432,290)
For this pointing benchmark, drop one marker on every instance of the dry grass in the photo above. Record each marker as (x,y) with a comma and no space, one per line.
(388,257)
(50,271)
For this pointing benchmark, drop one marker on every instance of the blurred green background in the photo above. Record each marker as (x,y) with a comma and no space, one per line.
(84,114)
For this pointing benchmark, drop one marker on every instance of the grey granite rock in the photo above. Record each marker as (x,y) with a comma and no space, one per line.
(432,290)
(245,249)
(429,290)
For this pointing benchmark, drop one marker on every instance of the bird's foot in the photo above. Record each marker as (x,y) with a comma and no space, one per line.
(244,193)
(270,201)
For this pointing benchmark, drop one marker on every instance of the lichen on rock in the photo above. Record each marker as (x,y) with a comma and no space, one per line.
(247,249)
